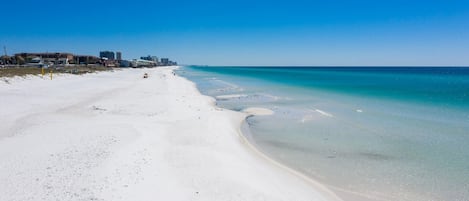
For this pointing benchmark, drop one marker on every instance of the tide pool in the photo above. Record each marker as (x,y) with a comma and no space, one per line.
(368,133)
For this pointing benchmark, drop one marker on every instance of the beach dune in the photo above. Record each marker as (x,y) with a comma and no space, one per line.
(117,136)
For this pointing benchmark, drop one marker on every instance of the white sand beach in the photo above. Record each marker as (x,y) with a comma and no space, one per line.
(117,136)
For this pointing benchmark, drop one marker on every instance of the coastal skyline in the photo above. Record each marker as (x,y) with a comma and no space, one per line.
(426,33)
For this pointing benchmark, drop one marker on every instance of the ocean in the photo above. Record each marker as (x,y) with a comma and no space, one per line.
(367,133)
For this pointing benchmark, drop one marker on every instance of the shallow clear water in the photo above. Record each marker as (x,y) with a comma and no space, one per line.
(367,133)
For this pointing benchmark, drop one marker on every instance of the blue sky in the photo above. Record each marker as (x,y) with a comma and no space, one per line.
(245,32)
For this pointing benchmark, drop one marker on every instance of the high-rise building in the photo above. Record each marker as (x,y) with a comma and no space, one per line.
(150,58)
(165,61)
(107,54)
(119,56)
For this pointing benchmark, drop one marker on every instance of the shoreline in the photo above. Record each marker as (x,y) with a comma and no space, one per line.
(333,192)
(130,138)
(330,190)
(245,136)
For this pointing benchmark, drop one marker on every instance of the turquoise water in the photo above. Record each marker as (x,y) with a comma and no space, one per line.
(369,133)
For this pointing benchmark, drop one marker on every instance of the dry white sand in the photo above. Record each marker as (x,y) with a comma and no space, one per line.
(117,136)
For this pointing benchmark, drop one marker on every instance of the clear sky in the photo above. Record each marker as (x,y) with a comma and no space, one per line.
(243,32)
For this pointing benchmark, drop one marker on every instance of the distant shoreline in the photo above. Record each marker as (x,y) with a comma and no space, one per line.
(326,66)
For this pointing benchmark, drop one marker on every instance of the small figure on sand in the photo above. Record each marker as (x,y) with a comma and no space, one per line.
(145,75)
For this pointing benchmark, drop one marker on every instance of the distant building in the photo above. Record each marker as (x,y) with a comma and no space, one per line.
(155,59)
(125,63)
(136,63)
(87,59)
(119,56)
(58,58)
(107,54)
(165,61)
(150,58)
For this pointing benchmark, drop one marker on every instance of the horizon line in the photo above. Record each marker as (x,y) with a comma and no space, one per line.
(459,66)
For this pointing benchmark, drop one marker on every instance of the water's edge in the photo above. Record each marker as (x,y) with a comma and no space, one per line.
(245,135)
(386,159)
(331,193)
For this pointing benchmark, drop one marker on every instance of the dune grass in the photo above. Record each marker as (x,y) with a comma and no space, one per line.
(23,71)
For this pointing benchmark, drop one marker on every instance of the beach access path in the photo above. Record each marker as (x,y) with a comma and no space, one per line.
(118,136)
